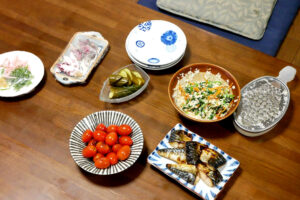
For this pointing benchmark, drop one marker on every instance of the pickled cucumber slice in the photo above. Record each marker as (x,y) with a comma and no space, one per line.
(137,74)
(126,73)
(129,73)
(138,81)
(137,78)
(114,78)
(122,82)
(118,92)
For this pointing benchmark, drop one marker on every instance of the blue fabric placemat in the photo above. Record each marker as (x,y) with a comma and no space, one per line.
(282,17)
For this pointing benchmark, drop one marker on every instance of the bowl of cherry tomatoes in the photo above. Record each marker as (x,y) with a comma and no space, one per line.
(106,142)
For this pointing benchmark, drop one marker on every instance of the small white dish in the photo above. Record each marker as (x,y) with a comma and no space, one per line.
(104,94)
(156,42)
(200,189)
(35,65)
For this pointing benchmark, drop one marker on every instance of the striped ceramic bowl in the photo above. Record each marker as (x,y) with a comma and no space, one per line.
(107,118)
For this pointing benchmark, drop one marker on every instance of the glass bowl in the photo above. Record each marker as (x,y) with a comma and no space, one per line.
(106,87)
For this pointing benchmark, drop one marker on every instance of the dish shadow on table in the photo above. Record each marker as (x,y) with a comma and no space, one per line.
(175,68)
(279,128)
(230,183)
(123,177)
(36,90)
(221,195)
(222,129)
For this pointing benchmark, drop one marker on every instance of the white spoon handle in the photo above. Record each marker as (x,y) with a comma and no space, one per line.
(287,74)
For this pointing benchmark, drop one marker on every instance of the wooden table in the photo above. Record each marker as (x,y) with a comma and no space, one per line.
(35,129)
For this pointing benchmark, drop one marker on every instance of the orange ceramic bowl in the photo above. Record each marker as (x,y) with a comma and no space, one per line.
(214,69)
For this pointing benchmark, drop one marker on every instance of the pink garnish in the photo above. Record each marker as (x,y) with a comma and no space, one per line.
(11,65)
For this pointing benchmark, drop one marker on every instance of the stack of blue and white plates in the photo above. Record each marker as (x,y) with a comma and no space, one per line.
(156,45)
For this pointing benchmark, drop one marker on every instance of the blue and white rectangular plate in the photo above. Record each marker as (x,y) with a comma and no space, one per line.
(200,189)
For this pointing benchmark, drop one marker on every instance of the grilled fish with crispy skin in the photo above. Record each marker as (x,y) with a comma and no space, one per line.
(178,138)
(212,158)
(193,151)
(175,154)
(184,171)
(209,177)
(196,152)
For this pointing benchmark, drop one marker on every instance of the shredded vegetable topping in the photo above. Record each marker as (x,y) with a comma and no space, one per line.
(203,95)
(14,73)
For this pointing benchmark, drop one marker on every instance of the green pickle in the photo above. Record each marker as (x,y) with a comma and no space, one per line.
(114,78)
(121,82)
(118,92)
(125,83)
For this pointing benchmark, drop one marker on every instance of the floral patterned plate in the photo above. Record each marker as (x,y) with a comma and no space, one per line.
(156,42)
(200,189)
(153,67)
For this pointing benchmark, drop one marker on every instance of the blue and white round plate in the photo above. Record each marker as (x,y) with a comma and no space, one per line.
(156,43)
(153,67)
(106,117)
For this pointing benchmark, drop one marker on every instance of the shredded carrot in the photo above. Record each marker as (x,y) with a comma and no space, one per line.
(218,115)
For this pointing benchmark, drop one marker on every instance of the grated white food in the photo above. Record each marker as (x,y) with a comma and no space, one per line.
(261,105)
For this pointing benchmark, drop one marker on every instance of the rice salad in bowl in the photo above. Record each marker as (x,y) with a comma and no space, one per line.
(203,94)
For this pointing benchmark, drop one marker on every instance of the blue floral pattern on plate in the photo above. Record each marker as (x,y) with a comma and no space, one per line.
(145,26)
(153,60)
(140,43)
(200,189)
(169,37)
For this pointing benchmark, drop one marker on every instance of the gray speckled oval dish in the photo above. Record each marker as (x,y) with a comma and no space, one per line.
(107,118)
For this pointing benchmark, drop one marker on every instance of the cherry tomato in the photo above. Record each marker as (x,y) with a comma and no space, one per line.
(111,138)
(124,152)
(102,148)
(89,151)
(97,156)
(102,163)
(87,136)
(101,127)
(112,128)
(116,147)
(125,140)
(113,159)
(124,129)
(92,142)
(99,136)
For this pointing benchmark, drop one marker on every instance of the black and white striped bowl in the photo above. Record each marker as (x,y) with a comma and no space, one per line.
(107,118)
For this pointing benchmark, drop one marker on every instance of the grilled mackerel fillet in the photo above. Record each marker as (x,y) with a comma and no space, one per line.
(175,154)
(193,151)
(212,158)
(196,152)
(178,138)
(209,177)
(184,171)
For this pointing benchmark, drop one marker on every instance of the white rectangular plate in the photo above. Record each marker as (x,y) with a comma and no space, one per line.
(93,37)
(200,189)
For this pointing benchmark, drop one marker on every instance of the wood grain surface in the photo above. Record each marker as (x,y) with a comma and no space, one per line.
(35,161)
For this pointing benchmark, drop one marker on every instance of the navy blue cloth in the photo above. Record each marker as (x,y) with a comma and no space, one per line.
(282,17)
